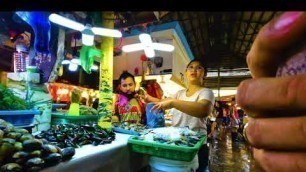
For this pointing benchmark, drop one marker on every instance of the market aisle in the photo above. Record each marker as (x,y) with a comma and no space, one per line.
(231,157)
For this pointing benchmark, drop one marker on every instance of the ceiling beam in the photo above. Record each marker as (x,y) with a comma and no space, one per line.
(195,32)
(237,32)
(204,32)
(184,29)
(255,32)
(245,31)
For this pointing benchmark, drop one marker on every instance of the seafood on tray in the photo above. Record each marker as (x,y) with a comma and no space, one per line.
(181,136)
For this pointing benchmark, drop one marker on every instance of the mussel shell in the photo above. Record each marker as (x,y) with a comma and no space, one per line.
(20,154)
(1,134)
(60,144)
(6,150)
(18,146)
(34,169)
(53,158)
(36,153)
(11,167)
(51,138)
(31,145)
(21,130)
(105,141)
(48,148)
(60,137)
(9,128)
(85,142)
(8,140)
(25,137)
(40,136)
(96,143)
(13,135)
(59,150)
(20,160)
(88,128)
(35,162)
(68,153)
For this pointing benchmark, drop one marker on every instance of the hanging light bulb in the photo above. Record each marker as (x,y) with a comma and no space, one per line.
(87,31)
(87,36)
(76,61)
(73,67)
(64,62)
(94,67)
(148,46)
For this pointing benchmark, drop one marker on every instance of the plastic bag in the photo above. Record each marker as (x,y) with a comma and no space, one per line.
(154,120)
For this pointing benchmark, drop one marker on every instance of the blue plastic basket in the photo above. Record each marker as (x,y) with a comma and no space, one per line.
(19,117)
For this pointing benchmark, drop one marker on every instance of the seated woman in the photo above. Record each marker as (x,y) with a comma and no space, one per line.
(127,105)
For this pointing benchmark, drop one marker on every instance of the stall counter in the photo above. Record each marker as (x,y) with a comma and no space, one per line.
(114,157)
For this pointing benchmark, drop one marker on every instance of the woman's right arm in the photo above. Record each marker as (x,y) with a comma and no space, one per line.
(149,98)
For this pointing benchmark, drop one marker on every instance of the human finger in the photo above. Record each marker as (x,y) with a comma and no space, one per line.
(156,108)
(283,95)
(280,161)
(273,40)
(277,133)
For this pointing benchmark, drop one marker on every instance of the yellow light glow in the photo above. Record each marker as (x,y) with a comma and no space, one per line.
(84,94)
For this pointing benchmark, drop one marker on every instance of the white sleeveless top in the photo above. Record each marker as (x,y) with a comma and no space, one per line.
(181,119)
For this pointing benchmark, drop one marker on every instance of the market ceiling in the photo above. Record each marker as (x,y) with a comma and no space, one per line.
(220,39)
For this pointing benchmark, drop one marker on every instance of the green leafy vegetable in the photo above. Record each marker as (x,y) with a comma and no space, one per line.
(8,101)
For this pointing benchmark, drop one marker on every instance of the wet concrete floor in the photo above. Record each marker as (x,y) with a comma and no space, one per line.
(228,156)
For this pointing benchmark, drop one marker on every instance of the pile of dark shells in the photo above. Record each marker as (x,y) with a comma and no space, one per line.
(71,135)
(21,151)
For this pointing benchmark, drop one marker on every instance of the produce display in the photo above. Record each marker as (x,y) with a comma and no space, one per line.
(173,136)
(21,151)
(8,101)
(71,135)
(128,128)
(87,111)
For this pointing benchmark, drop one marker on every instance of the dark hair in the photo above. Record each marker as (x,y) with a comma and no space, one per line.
(201,63)
(126,74)
(219,102)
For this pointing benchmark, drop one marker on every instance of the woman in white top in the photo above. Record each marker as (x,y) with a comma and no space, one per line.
(191,105)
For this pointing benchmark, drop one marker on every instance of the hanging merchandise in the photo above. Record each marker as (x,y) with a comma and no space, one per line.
(149,67)
(21,57)
(152,88)
(136,71)
(143,58)
(21,61)
(158,90)
(87,55)
(41,26)
(158,61)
